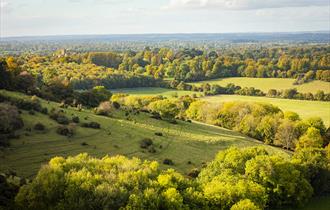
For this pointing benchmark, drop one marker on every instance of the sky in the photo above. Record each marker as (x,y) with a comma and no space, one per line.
(68,17)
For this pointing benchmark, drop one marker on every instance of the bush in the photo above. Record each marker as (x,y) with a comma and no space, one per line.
(145,143)
(44,110)
(75,119)
(116,105)
(168,161)
(84,144)
(159,134)
(151,149)
(156,116)
(94,125)
(62,120)
(193,173)
(10,119)
(245,204)
(65,130)
(59,117)
(103,109)
(39,126)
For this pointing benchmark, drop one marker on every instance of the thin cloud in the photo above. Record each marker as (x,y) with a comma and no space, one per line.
(242,4)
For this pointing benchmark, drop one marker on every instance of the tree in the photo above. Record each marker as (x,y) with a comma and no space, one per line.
(181,73)
(245,204)
(25,82)
(284,183)
(5,76)
(286,135)
(319,95)
(311,139)
(167,108)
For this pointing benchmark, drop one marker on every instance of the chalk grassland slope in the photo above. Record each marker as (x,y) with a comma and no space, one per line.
(182,142)
(265,84)
(304,108)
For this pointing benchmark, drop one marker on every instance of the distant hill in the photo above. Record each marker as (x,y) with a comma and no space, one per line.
(317,36)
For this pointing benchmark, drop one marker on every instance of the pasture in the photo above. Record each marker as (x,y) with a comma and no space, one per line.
(304,108)
(265,84)
(189,145)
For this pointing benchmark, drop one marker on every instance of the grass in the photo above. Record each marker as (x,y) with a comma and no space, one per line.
(304,108)
(181,143)
(265,84)
(153,91)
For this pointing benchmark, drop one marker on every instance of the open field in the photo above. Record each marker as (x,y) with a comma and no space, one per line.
(265,84)
(182,142)
(304,108)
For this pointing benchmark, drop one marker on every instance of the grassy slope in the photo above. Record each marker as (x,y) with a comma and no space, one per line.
(182,142)
(304,108)
(265,84)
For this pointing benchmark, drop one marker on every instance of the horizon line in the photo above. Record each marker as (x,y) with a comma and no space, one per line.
(160,33)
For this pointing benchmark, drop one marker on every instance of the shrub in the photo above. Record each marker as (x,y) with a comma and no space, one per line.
(193,173)
(65,130)
(75,119)
(62,120)
(151,149)
(39,126)
(10,119)
(58,116)
(159,134)
(245,204)
(116,105)
(31,112)
(94,125)
(145,143)
(104,108)
(168,161)
(44,110)
(156,116)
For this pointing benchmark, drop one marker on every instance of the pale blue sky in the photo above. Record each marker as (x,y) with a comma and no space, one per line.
(57,17)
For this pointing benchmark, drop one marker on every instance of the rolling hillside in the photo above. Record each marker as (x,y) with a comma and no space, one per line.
(119,134)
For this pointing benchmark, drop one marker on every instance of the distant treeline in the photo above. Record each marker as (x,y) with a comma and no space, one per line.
(31,73)
(303,63)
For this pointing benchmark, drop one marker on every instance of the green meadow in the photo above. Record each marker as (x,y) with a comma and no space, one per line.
(304,108)
(265,84)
